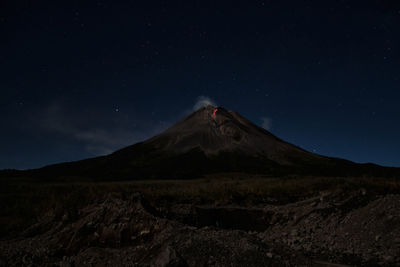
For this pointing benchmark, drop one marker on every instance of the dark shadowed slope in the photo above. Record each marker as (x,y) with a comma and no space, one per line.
(210,140)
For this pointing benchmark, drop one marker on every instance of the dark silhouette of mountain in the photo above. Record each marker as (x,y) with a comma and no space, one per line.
(210,140)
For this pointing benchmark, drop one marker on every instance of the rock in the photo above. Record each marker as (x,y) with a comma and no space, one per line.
(65,217)
(65,264)
(124,232)
(363,191)
(168,257)
(144,232)
(26,259)
(388,258)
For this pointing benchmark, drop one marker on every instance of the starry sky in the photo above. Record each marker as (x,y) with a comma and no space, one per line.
(84,78)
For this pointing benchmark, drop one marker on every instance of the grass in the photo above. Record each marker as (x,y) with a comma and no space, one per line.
(23,201)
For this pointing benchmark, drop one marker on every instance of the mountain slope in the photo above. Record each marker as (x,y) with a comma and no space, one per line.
(210,140)
(215,130)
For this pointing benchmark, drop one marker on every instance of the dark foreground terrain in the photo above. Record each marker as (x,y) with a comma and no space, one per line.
(215,221)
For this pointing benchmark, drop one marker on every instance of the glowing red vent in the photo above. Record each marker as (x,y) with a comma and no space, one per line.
(215,111)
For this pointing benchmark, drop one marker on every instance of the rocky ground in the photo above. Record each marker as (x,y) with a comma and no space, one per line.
(331,229)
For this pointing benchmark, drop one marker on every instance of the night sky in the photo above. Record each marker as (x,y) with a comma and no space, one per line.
(82,78)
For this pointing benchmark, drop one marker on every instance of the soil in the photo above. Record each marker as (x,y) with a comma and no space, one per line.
(331,229)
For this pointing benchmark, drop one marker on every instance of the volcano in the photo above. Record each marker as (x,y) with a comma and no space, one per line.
(210,140)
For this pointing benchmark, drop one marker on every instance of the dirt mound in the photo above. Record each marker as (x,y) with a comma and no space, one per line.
(338,228)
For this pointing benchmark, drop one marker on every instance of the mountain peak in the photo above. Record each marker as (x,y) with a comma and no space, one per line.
(214,130)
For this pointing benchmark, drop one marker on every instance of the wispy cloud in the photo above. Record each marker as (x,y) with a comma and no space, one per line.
(266,123)
(203,101)
(101,134)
